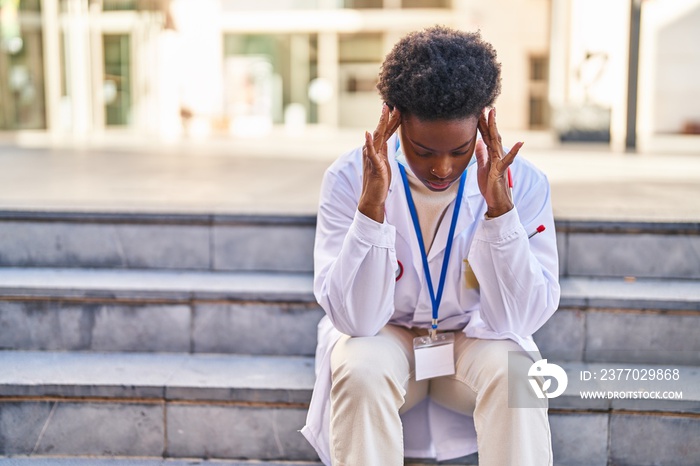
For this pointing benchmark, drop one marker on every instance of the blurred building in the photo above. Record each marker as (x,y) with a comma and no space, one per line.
(203,67)
(588,77)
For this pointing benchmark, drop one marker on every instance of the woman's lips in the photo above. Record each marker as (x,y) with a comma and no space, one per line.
(438,186)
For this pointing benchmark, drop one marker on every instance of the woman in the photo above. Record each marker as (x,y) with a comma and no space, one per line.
(420,229)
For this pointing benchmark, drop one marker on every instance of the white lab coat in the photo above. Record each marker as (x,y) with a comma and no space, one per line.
(355,260)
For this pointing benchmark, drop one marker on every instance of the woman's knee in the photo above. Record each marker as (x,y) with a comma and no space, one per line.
(491,362)
(367,364)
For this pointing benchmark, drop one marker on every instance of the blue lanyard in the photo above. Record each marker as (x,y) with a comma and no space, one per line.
(448,248)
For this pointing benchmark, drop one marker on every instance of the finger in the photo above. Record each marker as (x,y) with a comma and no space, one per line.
(490,137)
(510,156)
(482,156)
(392,120)
(381,128)
(369,152)
(366,161)
(493,128)
(393,124)
(384,151)
(483,126)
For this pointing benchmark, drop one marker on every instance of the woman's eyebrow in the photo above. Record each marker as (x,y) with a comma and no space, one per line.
(432,150)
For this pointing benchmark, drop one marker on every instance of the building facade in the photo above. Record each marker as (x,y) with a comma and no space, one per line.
(170,68)
(204,66)
(589,73)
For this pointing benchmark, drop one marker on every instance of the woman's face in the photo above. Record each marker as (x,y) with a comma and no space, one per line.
(438,151)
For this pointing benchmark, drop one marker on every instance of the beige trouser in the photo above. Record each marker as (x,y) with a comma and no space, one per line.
(373,382)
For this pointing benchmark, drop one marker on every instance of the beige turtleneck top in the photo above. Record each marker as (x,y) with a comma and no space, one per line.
(431,206)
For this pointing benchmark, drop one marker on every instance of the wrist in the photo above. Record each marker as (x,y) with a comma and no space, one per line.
(497,211)
(372,210)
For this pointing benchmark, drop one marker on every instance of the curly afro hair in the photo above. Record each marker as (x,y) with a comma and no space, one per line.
(440,73)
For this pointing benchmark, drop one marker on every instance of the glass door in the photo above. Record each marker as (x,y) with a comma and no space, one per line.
(117,79)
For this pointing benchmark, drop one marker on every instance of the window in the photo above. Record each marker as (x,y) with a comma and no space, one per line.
(539,68)
(128,5)
(277,69)
(359,4)
(21,66)
(360,48)
(538,112)
(30,5)
(538,105)
(117,83)
(426,3)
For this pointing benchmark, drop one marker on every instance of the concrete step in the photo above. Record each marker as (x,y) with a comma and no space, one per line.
(34,460)
(645,320)
(616,320)
(165,405)
(629,249)
(76,461)
(251,407)
(147,310)
(285,243)
(157,241)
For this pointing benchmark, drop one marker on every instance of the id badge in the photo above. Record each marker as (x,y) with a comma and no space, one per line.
(435,357)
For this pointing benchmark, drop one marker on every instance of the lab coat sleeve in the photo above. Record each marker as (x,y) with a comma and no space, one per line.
(518,277)
(354,260)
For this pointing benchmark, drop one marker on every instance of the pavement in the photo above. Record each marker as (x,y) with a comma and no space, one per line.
(281,174)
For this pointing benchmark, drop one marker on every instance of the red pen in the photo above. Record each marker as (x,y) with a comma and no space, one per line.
(539,229)
(510,183)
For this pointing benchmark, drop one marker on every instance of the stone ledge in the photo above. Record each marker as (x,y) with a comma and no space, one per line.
(641,294)
(267,379)
(179,286)
(159,376)
(48,461)
(158,285)
(76,461)
(625,227)
(143,218)
(155,218)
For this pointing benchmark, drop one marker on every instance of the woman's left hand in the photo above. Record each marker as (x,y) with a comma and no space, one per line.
(492,166)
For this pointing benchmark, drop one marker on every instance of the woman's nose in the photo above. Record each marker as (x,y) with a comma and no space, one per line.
(442,168)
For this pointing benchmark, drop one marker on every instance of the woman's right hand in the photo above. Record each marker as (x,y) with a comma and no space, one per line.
(376,170)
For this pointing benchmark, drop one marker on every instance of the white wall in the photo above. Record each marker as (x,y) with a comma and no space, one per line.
(669,65)
(598,29)
(201,55)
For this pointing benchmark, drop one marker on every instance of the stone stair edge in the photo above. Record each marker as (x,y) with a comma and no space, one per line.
(626,227)
(157,376)
(37,460)
(40,460)
(157,218)
(181,286)
(275,381)
(562,225)
(648,294)
(154,296)
(153,284)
